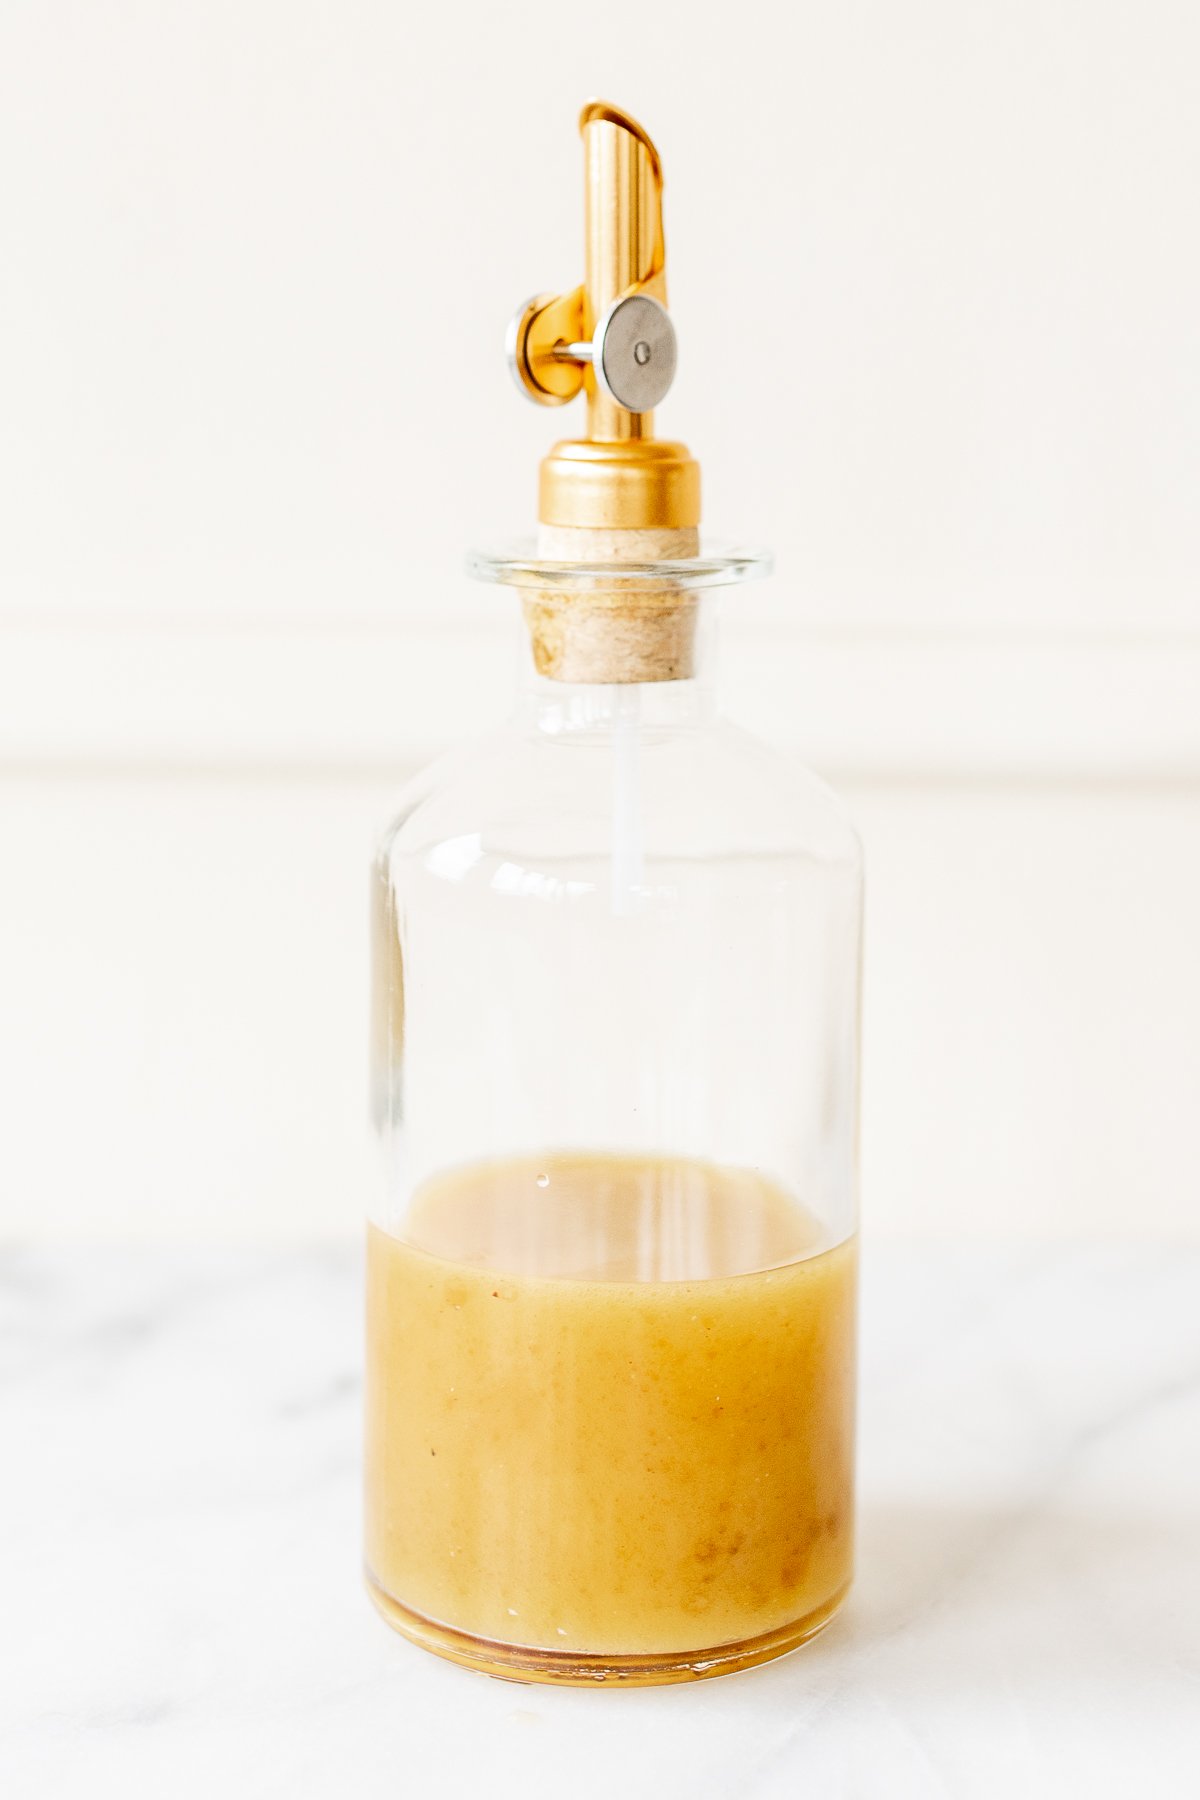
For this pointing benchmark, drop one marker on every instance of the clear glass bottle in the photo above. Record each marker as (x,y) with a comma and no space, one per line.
(611,1270)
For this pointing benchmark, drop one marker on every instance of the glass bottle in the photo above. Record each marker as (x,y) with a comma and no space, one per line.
(611,1269)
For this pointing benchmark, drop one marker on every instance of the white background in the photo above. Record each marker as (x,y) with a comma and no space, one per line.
(936,278)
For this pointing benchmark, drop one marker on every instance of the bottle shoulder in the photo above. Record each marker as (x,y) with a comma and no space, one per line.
(789,787)
(711,790)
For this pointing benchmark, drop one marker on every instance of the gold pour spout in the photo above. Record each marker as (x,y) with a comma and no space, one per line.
(612,338)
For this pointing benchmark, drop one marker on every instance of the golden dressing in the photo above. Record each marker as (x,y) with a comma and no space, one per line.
(609,1415)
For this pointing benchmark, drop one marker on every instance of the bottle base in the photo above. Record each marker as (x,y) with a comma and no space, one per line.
(563,1668)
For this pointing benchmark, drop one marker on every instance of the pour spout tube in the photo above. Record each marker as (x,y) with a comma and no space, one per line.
(623,242)
(627,853)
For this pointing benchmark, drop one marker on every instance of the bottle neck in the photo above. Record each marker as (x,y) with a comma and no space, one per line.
(561,708)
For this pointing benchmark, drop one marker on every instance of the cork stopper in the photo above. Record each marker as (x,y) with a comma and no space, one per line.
(621,633)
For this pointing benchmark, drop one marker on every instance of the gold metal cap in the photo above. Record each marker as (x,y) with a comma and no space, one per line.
(612,339)
(638,484)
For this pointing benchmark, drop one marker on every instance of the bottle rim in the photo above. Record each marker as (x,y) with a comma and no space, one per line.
(518,565)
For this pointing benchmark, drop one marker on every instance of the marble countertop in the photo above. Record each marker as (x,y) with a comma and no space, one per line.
(181,1611)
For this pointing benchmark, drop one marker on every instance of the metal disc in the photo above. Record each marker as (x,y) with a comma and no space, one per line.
(539,378)
(634,351)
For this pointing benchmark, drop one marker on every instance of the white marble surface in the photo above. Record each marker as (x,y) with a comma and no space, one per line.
(181,1612)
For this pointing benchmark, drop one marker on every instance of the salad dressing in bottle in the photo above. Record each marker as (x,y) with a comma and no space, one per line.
(611,1271)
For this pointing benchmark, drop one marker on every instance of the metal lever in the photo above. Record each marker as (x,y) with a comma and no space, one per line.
(633,353)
